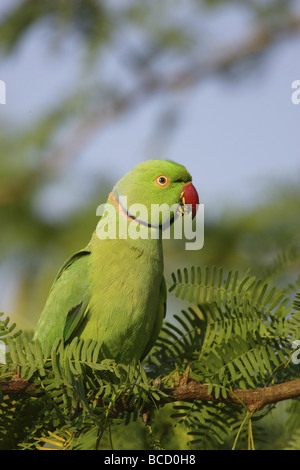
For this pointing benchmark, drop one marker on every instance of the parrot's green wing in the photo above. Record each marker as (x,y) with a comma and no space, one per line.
(68,300)
(69,262)
(75,320)
(78,313)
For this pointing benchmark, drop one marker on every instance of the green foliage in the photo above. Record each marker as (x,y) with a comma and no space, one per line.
(235,333)
(76,394)
(88,17)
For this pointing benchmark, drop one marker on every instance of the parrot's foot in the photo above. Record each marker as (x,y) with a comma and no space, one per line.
(156,383)
(185,378)
(145,417)
(75,410)
(17,376)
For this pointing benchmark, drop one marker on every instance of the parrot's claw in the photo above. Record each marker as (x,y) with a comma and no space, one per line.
(156,383)
(185,378)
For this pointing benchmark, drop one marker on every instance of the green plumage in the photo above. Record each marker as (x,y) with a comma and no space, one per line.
(114,290)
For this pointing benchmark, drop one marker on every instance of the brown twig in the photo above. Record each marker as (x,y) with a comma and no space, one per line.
(216,63)
(16,386)
(252,399)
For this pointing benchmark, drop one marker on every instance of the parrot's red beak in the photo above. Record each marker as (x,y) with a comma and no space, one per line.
(189,196)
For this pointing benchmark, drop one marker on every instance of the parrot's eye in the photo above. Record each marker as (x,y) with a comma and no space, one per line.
(162,180)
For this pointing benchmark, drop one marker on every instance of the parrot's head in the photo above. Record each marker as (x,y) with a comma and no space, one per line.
(156,183)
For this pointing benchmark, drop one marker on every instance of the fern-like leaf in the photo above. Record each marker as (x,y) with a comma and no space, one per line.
(209,285)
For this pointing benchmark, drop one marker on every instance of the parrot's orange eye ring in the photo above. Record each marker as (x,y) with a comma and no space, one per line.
(162,181)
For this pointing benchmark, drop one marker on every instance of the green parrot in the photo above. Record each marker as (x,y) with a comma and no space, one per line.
(114,291)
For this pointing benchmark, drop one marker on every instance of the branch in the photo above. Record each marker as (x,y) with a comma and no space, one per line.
(253,399)
(152,84)
(16,386)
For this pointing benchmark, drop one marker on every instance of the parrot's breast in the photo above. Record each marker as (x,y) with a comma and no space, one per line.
(124,301)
